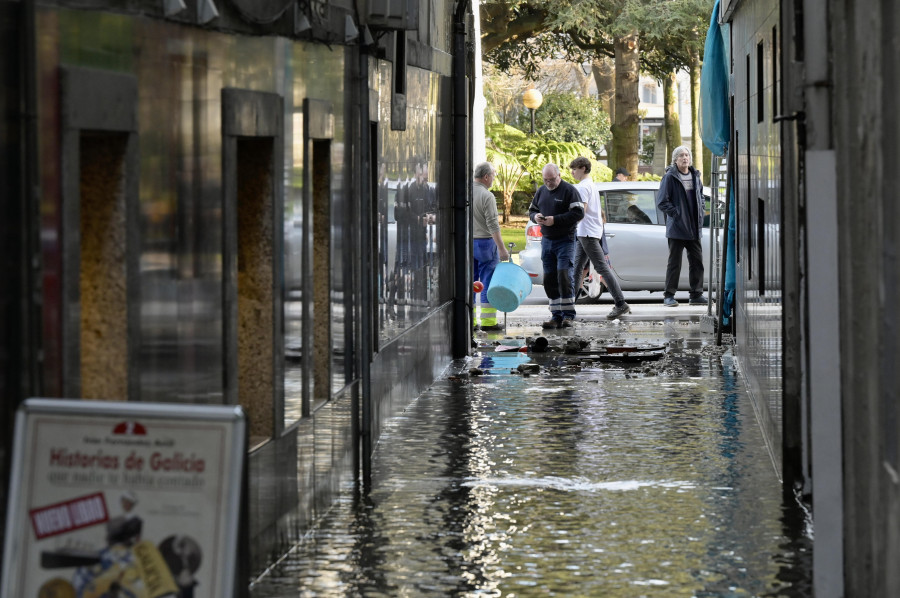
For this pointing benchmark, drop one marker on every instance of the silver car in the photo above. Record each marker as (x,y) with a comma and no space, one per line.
(636,236)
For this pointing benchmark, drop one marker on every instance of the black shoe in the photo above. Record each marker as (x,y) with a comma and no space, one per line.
(701,300)
(492,328)
(551,324)
(567,323)
(619,310)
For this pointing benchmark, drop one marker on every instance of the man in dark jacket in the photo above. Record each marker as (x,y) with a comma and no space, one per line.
(680,197)
(557,207)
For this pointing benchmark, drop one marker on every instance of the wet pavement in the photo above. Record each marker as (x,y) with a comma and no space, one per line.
(590,477)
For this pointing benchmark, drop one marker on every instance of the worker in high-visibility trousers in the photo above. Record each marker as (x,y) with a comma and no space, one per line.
(488,247)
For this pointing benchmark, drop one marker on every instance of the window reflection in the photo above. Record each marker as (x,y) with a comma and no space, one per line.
(408,239)
(631,207)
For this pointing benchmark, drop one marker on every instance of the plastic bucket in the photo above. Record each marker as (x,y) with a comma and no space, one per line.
(510,284)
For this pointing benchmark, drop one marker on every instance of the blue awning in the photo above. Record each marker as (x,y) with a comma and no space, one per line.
(715,117)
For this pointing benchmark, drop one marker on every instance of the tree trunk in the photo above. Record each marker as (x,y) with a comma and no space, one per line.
(584,81)
(670,115)
(706,171)
(625,131)
(507,205)
(696,141)
(604,75)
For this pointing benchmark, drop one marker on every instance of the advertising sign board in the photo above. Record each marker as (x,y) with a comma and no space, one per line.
(124,499)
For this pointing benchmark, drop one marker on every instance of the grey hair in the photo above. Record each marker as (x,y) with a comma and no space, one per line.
(483,169)
(681,149)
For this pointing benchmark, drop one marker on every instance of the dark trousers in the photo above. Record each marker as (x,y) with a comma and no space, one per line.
(557,256)
(695,266)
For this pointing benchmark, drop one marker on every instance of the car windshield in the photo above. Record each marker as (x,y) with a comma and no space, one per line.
(631,206)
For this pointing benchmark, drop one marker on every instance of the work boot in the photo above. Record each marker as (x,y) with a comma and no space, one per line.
(699,300)
(670,302)
(618,310)
(567,323)
(491,327)
(551,324)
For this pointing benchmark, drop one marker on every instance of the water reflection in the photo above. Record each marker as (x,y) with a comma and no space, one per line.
(407,247)
(578,482)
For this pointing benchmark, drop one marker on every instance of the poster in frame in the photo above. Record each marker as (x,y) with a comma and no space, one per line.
(140,499)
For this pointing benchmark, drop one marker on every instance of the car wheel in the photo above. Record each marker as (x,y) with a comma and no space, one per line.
(590,291)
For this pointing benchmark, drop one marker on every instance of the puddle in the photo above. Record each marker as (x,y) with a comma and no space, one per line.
(596,479)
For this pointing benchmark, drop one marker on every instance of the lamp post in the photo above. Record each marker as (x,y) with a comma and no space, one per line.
(532,99)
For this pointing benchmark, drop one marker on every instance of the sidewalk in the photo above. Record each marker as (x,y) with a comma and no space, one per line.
(527,319)
(652,309)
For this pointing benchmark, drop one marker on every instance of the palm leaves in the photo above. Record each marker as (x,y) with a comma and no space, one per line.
(519,159)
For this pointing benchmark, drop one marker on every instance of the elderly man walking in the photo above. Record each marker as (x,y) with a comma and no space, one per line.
(558,208)
(488,247)
(680,197)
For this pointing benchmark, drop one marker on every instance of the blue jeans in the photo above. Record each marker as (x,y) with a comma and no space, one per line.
(485,260)
(557,257)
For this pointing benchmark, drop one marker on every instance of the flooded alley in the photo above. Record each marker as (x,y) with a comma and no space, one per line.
(589,477)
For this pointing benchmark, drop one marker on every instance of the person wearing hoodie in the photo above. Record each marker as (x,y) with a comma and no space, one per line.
(680,198)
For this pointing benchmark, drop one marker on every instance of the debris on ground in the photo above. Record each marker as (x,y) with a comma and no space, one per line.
(528,368)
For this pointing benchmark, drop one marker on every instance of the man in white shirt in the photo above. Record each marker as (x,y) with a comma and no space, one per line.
(589,234)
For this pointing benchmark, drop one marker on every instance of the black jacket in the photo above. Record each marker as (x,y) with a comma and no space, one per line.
(564,204)
(672,199)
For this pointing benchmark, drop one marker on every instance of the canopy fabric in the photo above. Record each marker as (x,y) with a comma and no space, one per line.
(715,117)
(715,130)
(730,262)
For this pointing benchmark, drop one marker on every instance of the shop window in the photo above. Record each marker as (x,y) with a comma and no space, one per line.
(102,283)
(321,291)
(255,271)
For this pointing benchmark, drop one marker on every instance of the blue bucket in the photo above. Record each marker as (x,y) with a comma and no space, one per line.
(510,284)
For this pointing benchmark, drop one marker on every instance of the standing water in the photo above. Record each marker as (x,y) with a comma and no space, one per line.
(591,479)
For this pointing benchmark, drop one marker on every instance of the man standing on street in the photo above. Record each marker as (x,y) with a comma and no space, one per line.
(557,207)
(489,248)
(589,233)
(680,197)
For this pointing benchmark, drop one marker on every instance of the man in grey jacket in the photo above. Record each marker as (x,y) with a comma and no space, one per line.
(488,247)
(680,197)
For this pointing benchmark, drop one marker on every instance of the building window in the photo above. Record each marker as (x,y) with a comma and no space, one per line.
(760,82)
(761,244)
(775,70)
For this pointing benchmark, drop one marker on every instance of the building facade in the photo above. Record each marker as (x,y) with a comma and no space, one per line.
(814,154)
(241,203)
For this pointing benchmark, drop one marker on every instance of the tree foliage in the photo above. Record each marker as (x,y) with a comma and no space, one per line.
(669,34)
(675,31)
(522,33)
(500,150)
(503,92)
(567,117)
(519,158)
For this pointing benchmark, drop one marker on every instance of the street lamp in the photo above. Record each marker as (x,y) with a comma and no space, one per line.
(532,99)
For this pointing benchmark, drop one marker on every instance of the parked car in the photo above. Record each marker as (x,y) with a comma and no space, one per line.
(636,236)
